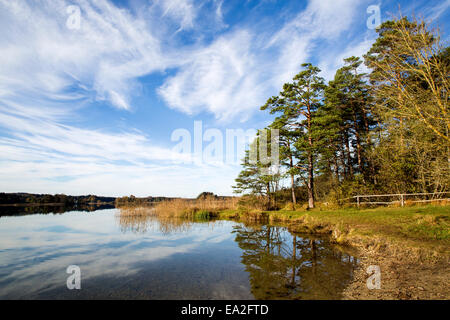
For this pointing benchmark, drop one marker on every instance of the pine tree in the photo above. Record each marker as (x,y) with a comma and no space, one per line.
(298,103)
(288,135)
(258,176)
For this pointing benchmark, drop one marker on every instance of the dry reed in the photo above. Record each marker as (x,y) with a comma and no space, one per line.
(139,219)
(192,208)
(172,215)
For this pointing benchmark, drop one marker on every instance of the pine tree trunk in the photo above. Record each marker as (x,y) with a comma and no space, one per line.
(269,198)
(342,159)
(349,157)
(369,146)
(358,143)
(291,163)
(310,164)
(294,199)
(310,182)
(336,168)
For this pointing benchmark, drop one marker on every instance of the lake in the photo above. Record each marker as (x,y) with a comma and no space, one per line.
(124,257)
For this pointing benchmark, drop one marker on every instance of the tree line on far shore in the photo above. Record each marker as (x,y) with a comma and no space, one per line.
(385,131)
(61,199)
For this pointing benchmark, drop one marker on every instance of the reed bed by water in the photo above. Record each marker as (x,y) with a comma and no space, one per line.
(199,208)
(140,219)
(173,215)
(137,211)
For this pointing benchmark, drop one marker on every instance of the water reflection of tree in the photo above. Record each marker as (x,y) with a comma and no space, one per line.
(282,266)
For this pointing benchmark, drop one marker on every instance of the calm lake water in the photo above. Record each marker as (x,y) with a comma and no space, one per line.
(145,258)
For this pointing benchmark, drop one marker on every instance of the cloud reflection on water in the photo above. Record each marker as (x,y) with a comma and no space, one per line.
(36,250)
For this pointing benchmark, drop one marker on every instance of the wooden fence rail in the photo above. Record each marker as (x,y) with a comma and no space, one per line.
(402,198)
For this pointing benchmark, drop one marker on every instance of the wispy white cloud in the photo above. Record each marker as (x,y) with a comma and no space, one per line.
(221,78)
(182,11)
(322,23)
(236,73)
(105,56)
(113,48)
(437,10)
(50,72)
(219,13)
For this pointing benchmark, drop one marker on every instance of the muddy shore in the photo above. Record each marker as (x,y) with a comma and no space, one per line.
(400,280)
(407,273)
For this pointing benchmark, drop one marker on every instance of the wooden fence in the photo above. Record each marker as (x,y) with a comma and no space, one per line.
(402,198)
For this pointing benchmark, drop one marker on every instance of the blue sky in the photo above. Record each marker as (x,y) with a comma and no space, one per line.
(93,109)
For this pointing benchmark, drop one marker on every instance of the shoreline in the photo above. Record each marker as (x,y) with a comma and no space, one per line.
(51,204)
(413,266)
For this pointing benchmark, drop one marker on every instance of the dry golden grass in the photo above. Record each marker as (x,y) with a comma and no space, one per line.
(135,224)
(136,220)
(172,216)
(194,208)
(136,211)
(139,219)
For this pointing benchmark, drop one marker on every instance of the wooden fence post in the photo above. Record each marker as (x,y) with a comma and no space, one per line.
(402,201)
(357,200)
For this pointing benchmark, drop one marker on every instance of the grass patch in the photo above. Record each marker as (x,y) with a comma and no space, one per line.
(420,223)
(426,227)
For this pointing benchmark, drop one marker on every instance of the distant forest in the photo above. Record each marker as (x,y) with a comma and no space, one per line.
(133,201)
(30,198)
(69,201)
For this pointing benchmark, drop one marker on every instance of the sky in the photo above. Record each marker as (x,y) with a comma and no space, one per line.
(137,97)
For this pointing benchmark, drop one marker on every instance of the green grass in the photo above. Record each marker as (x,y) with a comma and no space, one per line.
(419,223)
(426,227)
(203,215)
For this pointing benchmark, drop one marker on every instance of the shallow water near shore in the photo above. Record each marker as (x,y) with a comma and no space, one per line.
(123,257)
